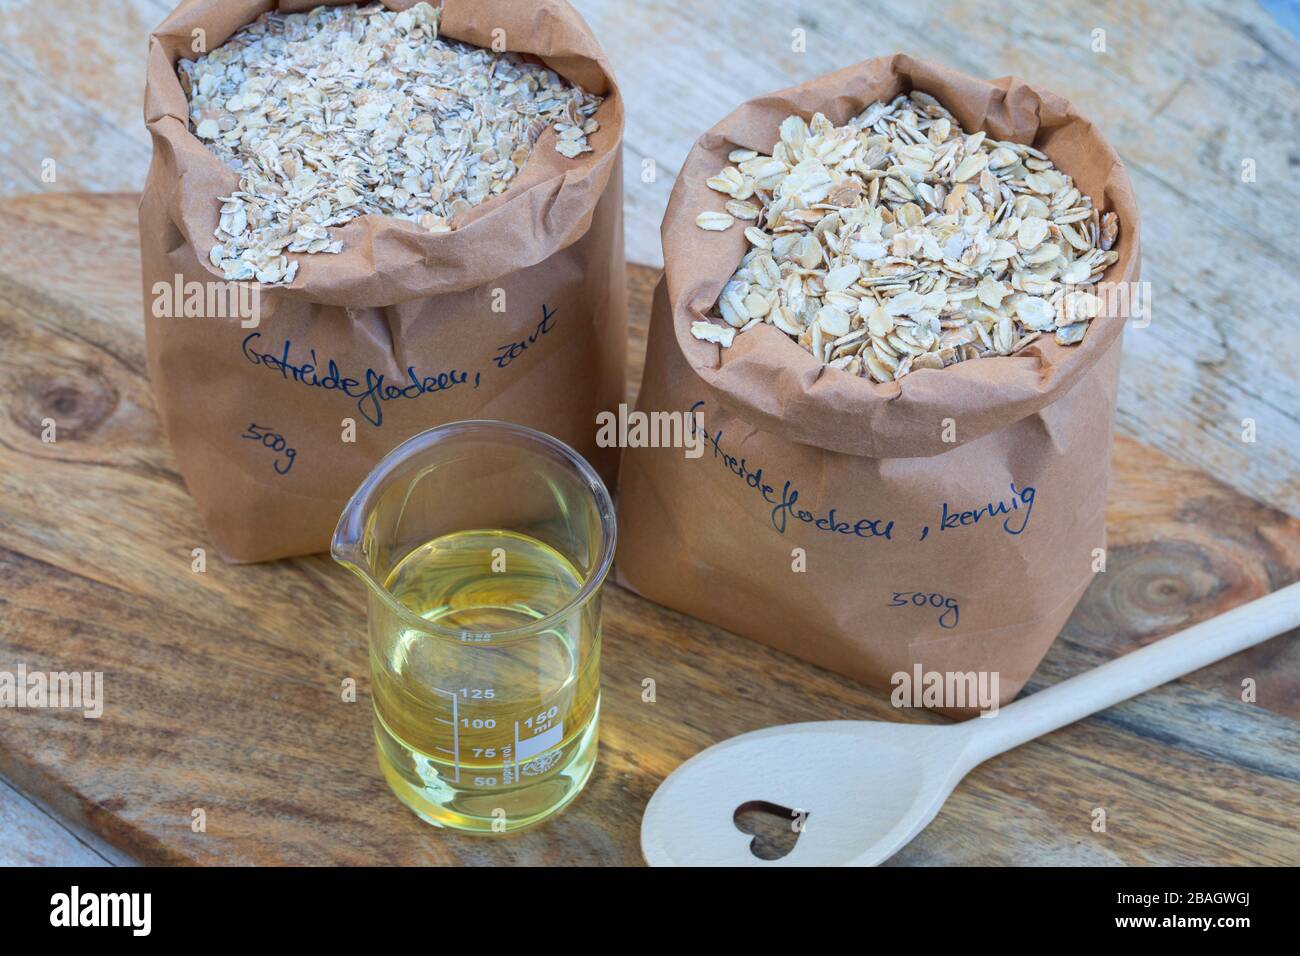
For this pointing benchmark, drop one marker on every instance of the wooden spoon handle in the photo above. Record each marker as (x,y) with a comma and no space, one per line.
(1130,675)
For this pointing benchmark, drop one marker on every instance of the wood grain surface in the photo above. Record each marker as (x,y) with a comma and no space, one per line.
(222,689)
(30,837)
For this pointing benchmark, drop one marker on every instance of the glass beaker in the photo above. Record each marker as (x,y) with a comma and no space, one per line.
(485,546)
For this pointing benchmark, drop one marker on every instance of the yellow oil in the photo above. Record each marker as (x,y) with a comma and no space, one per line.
(477,730)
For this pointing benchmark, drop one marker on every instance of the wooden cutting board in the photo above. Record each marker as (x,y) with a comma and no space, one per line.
(222,689)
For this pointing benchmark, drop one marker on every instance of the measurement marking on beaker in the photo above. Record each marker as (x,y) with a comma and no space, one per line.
(518,775)
(540,743)
(455,729)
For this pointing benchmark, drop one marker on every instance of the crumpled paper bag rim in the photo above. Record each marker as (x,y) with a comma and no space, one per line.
(780,387)
(386,261)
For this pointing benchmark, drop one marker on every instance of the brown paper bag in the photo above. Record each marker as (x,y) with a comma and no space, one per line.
(957,557)
(398,333)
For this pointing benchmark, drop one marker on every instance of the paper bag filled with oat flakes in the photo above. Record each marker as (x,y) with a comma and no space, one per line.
(361,222)
(892,302)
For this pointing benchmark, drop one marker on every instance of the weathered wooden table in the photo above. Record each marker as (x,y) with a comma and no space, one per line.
(222,688)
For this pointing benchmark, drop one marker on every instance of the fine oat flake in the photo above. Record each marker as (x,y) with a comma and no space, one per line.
(417,215)
(348,111)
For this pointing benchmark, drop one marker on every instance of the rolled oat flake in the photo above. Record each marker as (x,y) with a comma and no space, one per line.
(898,241)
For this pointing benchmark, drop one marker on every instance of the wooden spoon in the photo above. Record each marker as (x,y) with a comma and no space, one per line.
(860,790)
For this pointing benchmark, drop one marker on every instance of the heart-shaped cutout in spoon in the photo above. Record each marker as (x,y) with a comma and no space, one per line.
(775,830)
